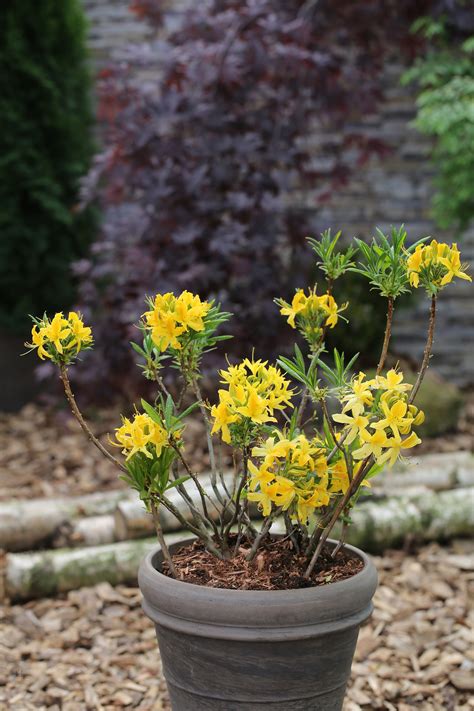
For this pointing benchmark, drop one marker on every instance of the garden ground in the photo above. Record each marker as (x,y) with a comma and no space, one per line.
(94,648)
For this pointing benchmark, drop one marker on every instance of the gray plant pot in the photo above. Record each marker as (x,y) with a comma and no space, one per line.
(252,650)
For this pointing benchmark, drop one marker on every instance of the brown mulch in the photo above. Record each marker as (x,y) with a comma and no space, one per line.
(275,567)
(94,649)
(44,453)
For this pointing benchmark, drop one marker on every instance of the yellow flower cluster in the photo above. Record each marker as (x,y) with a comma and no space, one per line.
(436,264)
(60,339)
(141,434)
(282,477)
(377,413)
(254,391)
(313,307)
(174,316)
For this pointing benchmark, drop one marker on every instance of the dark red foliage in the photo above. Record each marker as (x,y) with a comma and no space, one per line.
(201,153)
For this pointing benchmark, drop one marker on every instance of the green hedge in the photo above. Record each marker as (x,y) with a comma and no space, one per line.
(45,147)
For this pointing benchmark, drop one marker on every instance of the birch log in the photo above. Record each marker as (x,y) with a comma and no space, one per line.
(28,524)
(445,470)
(424,516)
(418,517)
(47,573)
(84,520)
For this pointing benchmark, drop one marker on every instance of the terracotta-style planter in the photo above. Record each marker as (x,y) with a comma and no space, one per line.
(244,650)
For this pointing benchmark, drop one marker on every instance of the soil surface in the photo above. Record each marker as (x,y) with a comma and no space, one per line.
(275,567)
(94,650)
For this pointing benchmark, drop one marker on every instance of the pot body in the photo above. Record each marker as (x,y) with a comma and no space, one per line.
(246,650)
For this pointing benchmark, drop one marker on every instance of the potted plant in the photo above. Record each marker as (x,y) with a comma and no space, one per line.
(246,619)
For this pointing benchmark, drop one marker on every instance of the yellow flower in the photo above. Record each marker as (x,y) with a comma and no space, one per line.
(223,417)
(359,396)
(354,423)
(254,392)
(395,445)
(394,416)
(260,476)
(392,382)
(436,264)
(38,338)
(302,452)
(297,305)
(262,498)
(271,450)
(190,311)
(282,492)
(136,435)
(339,477)
(58,330)
(82,335)
(333,310)
(373,444)
(414,263)
(453,266)
(255,408)
(306,505)
(165,332)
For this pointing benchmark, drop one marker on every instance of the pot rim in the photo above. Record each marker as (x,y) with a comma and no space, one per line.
(258,615)
(149,561)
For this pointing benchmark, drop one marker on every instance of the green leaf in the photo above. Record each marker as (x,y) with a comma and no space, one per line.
(152,413)
(177,482)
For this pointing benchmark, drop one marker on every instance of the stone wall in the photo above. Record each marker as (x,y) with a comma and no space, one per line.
(393,190)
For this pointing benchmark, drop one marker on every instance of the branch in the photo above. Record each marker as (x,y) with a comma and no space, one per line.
(353,487)
(263,532)
(161,539)
(210,445)
(388,333)
(202,493)
(427,352)
(78,415)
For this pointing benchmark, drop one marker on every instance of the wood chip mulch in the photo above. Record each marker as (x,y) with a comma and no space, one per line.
(275,567)
(95,650)
(44,453)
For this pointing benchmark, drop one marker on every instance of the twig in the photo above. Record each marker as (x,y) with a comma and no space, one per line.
(78,415)
(304,399)
(367,463)
(202,493)
(263,532)
(210,445)
(159,533)
(427,352)
(342,539)
(290,531)
(388,332)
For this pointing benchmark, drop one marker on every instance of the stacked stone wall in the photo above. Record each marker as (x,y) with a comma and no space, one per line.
(394,189)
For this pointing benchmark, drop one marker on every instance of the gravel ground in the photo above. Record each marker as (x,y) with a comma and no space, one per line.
(94,649)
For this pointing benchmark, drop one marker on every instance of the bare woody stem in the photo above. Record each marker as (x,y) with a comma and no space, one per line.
(367,463)
(202,493)
(342,539)
(161,539)
(388,333)
(263,532)
(353,487)
(427,352)
(197,528)
(78,415)
(305,397)
(210,445)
